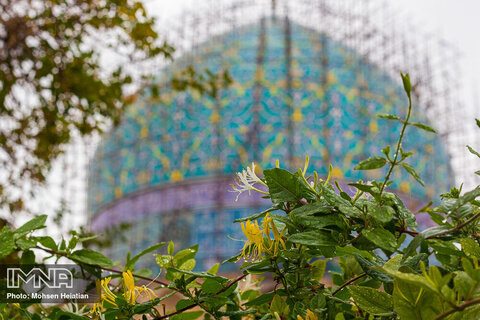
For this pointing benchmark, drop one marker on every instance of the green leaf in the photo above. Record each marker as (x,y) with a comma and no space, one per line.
(470,247)
(383,214)
(412,246)
(407,85)
(184,255)
(423,126)
(191,315)
(200,275)
(371,163)
(382,238)
(34,224)
(262,299)
(412,172)
(411,278)
(171,248)
(389,117)
(412,302)
(349,250)
(7,242)
(184,303)
(259,215)
(211,286)
(318,269)
(26,244)
(131,263)
(338,202)
(371,300)
(163,260)
(279,305)
(313,238)
(90,257)
(370,268)
(312,208)
(214,268)
(236,314)
(283,186)
(473,151)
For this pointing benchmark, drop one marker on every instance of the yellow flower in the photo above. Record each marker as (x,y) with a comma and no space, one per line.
(109,296)
(268,225)
(310,316)
(254,239)
(132,292)
(259,241)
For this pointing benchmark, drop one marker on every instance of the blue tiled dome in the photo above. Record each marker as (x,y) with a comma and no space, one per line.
(295,92)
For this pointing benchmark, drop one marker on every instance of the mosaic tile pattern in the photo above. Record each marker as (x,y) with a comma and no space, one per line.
(306,105)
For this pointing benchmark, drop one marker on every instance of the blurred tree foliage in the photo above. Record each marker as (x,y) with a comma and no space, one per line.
(53,84)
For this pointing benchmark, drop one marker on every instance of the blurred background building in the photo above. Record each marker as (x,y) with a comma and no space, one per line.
(309,78)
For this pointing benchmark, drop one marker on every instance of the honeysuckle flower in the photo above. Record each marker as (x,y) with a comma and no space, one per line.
(310,316)
(246,180)
(277,236)
(254,245)
(105,294)
(109,296)
(259,241)
(131,291)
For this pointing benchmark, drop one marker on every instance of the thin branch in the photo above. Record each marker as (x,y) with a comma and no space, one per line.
(458,227)
(458,308)
(194,305)
(399,144)
(348,282)
(105,268)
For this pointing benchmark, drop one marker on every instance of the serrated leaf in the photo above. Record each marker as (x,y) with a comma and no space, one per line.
(375,162)
(412,172)
(473,151)
(371,300)
(423,126)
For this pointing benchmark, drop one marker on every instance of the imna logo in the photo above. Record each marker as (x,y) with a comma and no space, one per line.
(54,278)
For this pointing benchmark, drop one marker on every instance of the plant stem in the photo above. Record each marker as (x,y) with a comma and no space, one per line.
(194,305)
(348,282)
(394,162)
(63,254)
(458,308)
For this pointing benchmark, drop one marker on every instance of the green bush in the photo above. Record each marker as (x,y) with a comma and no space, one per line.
(311,221)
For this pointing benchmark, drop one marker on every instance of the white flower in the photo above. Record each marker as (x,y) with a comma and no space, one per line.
(246,180)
